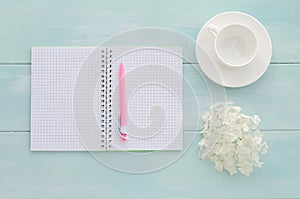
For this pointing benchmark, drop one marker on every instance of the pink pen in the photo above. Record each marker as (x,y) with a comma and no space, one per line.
(123,122)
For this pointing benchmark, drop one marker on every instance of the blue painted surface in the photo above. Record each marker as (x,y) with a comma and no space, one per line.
(275,97)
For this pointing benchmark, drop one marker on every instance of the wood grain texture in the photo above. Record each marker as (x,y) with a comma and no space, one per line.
(15,98)
(274,97)
(80,23)
(44,175)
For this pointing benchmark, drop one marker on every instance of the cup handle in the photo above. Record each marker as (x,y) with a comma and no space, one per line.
(213,30)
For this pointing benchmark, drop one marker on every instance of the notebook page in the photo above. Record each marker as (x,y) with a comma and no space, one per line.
(54,73)
(154,98)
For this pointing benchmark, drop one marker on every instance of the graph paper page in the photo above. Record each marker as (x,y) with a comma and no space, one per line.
(154,98)
(54,74)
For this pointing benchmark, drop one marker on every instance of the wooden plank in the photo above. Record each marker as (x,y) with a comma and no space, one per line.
(60,23)
(275,97)
(15,97)
(44,175)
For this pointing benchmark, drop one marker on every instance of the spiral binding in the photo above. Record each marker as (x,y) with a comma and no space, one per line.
(103,98)
(109,98)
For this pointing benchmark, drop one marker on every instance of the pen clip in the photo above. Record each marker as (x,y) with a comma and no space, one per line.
(122,129)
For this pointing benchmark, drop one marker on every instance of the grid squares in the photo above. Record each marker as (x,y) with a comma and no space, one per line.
(156,73)
(153,79)
(54,71)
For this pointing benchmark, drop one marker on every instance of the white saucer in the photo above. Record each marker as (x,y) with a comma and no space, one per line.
(219,73)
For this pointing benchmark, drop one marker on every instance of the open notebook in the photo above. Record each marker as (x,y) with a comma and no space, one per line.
(75,98)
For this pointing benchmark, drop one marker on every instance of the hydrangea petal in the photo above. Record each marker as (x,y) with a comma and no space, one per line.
(231,139)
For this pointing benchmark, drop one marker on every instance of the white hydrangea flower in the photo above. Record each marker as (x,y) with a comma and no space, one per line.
(231,140)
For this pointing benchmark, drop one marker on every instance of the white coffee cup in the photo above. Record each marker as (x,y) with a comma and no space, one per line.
(235,44)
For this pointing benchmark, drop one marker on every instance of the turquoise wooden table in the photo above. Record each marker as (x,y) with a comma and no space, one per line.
(275,98)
